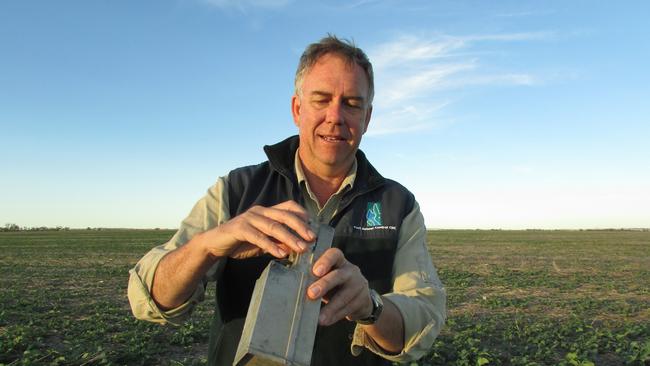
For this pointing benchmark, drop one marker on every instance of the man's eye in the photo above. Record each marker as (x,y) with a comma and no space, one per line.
(354,104)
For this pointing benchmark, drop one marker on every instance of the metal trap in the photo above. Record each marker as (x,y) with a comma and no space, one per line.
(281,321)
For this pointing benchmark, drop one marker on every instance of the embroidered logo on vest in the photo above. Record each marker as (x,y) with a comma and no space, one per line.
(373,214)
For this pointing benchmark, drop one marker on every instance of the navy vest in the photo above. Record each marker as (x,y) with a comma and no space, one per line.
(366,226)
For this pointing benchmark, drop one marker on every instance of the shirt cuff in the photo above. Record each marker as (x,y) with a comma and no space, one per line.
(361,340)
(145,308)
(417,343)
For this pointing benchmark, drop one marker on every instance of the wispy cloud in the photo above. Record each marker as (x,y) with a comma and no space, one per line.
(524,14)
(358,3)
(411,72)
(525,36)
(245,5)
(409,118)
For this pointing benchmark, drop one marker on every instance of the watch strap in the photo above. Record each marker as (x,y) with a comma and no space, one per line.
(377,307)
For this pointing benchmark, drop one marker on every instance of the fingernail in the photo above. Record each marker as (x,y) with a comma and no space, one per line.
(282,252)
(318,271)
(314,291)
(322,319)
(311,234)
(302,245)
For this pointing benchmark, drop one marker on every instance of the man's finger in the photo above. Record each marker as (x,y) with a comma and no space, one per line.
(332,258)
(348,308)
(324,285)
(303,230)
(275,230)
(344,302)
(291,219)
(259,239)
(351,295)
(294,207)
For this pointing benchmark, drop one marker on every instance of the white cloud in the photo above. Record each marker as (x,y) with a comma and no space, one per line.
(409,85)
(411,72)
(409,118)
(412,49)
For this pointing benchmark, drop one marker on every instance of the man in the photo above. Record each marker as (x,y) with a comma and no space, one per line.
(260,212)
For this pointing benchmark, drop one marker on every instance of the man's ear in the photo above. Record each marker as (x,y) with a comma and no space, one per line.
(367,121)
(295,108)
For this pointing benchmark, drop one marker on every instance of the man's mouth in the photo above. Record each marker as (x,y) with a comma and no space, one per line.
(331,138)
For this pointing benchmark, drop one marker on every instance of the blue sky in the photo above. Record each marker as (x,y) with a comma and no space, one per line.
(511,114)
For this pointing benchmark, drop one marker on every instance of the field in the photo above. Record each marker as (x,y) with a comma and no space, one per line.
(515,297)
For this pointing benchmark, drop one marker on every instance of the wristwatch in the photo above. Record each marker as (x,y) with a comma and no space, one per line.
(377,307)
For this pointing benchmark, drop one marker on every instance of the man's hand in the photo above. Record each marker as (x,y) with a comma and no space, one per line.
(258,230)
(262,229)
(346,292)
(342,287)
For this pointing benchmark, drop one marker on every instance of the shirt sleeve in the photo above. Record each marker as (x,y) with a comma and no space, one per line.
(417,293)
(210,211)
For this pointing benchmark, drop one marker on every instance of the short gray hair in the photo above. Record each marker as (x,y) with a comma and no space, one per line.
(340,47)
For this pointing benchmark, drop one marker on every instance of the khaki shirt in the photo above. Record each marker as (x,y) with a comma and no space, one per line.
(417,292)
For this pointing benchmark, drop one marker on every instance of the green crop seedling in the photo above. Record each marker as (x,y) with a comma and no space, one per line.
(514,298)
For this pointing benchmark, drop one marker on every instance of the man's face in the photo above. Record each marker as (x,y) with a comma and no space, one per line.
(332,113)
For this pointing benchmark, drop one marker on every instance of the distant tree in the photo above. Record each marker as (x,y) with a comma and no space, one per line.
(11,227)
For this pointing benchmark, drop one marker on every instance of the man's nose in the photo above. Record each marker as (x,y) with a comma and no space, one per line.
(335,113)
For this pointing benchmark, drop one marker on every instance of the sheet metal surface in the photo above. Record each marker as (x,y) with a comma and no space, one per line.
(281,322)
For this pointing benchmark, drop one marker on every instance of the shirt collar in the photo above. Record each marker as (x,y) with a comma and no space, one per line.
(347,183)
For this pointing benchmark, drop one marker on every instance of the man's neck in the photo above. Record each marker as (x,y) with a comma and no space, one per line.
(324,185)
